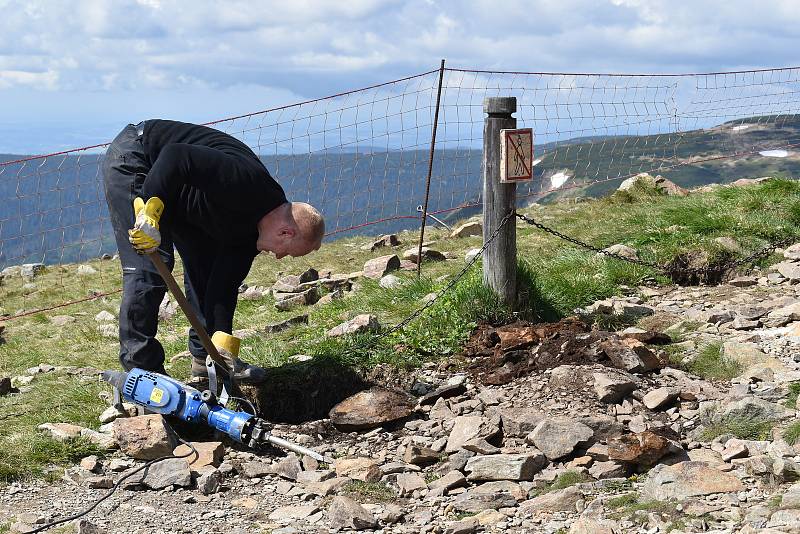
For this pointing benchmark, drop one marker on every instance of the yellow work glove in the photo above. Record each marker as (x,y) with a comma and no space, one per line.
(144,236)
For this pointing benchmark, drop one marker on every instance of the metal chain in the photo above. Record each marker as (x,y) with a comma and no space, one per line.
(402,324)
(666,269)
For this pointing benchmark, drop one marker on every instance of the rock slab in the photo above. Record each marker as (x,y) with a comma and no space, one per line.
(370,409)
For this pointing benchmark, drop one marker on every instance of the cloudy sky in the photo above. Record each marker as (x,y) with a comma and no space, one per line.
(73,72)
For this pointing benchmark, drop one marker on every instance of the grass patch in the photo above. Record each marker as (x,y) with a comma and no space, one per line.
(739,427)
(371,491)
(564,480)
(554,277)
(792,434)
(794,392)
(42,452)
(631,507)
(710,363)
(774,502)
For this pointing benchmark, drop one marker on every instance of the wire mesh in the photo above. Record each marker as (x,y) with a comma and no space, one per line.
(362,156)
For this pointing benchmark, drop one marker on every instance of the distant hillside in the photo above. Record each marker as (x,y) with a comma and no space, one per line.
(54,211)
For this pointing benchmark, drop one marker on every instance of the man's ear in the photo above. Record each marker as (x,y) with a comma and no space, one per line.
(288,231)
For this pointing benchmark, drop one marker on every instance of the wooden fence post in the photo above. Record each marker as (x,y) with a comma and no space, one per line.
(500,257)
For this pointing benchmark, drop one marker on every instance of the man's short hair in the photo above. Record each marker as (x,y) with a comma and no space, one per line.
(309,221)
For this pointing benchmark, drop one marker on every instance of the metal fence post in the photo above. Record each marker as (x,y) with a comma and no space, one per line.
(430,171)
(500,257)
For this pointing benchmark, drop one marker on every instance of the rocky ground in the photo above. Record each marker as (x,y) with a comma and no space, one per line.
(679,424)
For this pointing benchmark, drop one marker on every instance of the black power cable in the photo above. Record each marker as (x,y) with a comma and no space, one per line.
(116,486)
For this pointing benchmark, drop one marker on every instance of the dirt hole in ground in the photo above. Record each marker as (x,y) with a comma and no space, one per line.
(300,392)
(696,268)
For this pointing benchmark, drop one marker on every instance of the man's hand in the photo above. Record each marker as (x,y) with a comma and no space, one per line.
(144,236)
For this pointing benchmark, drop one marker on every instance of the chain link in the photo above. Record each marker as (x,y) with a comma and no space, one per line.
(674,269)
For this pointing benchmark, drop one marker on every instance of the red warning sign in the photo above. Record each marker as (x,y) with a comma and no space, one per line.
(516,155)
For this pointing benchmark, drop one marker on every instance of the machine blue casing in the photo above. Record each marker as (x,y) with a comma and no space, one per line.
(165,395)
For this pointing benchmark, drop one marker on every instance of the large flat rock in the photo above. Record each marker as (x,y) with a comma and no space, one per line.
(372,408)
(688,479)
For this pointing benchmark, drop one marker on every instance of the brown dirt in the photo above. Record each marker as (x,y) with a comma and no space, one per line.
(498,355)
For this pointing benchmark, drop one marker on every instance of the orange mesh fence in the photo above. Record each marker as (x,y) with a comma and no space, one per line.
(362,156)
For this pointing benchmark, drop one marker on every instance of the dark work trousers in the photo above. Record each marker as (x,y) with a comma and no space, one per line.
(125,168)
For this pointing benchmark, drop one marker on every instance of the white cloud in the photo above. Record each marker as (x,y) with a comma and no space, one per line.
(310,48)
(47,80)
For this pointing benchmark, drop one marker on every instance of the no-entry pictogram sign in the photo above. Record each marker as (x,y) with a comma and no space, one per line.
(516,155)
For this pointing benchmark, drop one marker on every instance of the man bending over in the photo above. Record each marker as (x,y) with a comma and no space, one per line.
(207,194)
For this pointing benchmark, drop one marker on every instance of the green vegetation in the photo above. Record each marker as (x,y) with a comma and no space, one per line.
(792,434)
(741,428)
(631,507)
(775,502)
(564,480)
(371,491)
(555,278)
(794,392)
(710,363)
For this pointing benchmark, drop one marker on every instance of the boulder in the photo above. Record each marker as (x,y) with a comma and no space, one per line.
(792,252)
(593,525)
(646,336)
(288,467)
(556,501)
(163,474)
(418,455)
(471,254)
(610,469)
(388,240)
(470,429)
(364,469)
(789,270)
(428,254)
(376,268)
(390,281)
(558,437)
(285,325)
(289,301)
(409,483)
(642,450)
(467,229)
(372,408)
(209,482)
(358,325)
(754,408)
(505,466)
(453,479)
(660,397)
(202,454)
(659,182)
(105,317)
(519,422)
(345,513)
(256,469)
(489,496)
(630,355)
(145,437)
(29,271)
(688,479)
(61,431)
(613,387)
(85,269)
